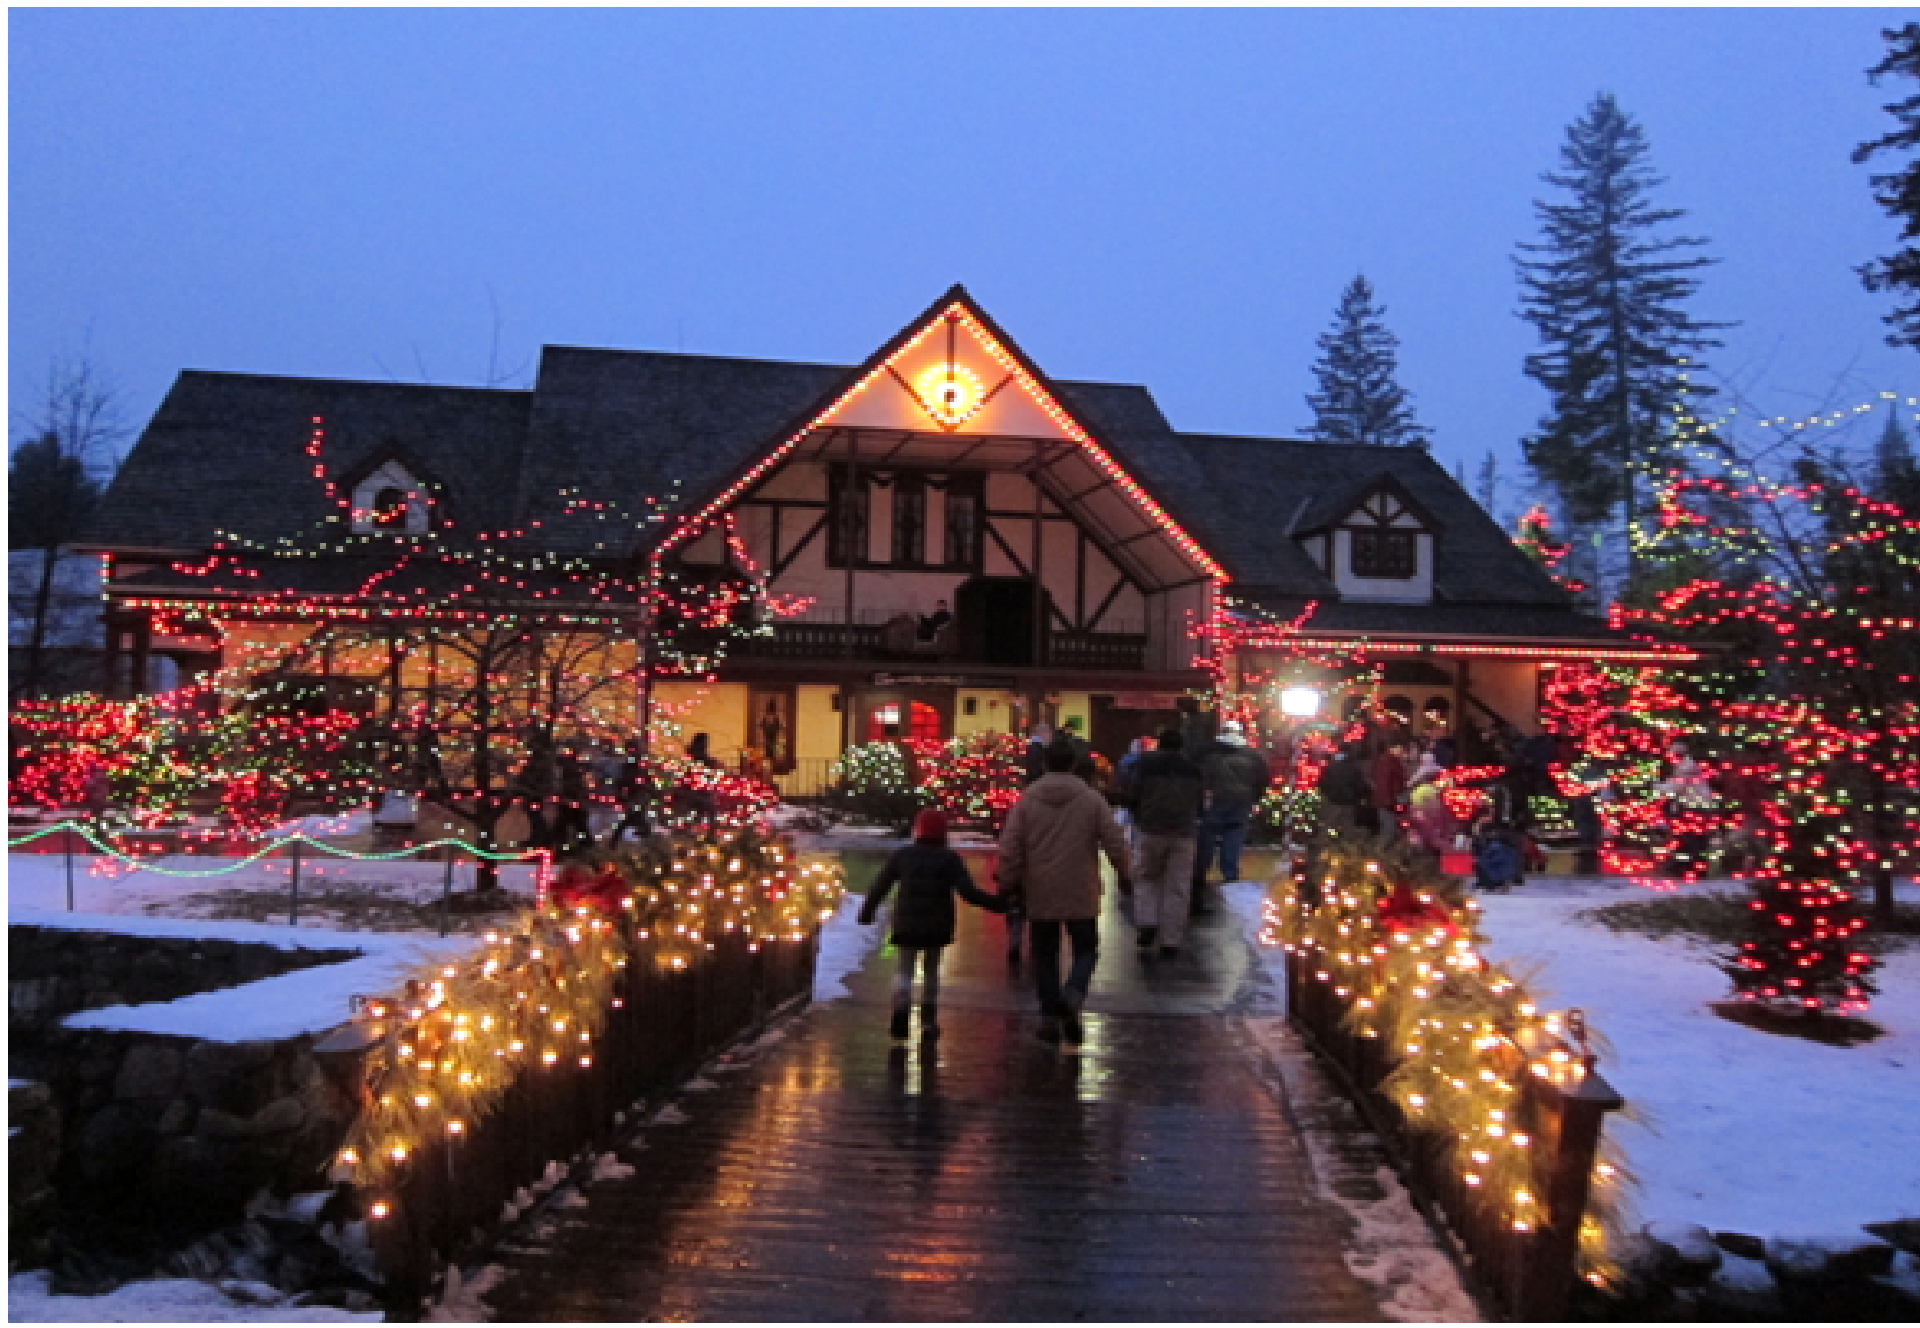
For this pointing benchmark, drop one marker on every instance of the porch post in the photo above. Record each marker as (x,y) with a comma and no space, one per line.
(849,505)
(1039,588)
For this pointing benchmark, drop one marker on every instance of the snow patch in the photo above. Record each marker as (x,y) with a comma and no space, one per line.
(308,1000)
(699,1085)
(1392,1249)
(1728,1128)
(844,947)
(161,1300)
(670,1115)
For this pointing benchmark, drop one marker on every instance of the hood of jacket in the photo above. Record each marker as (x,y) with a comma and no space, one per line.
(1057,787)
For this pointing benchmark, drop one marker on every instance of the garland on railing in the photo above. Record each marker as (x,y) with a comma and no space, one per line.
(1401,949)
(539,992)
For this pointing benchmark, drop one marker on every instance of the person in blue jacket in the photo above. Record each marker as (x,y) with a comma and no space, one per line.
(929,875)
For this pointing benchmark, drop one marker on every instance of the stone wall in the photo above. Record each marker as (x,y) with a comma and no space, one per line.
(53,972)
(148,1141)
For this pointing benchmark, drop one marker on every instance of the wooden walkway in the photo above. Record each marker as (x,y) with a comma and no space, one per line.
(986,1176)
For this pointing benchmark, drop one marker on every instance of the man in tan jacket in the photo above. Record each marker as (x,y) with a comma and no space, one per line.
(1050,854)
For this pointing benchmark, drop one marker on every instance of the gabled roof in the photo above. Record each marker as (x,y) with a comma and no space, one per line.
(228,452)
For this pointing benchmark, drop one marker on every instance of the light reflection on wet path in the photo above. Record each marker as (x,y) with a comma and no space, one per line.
(842,1177)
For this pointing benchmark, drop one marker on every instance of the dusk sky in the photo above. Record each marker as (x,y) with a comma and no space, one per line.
(1172,198)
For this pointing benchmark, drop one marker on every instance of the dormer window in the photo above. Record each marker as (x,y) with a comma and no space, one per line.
(390,507)
(391,500)
(1385,554)
(1376,544)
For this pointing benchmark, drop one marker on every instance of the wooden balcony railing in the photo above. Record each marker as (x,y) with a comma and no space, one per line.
(866,641)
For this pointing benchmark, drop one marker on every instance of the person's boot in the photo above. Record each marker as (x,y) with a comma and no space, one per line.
(898,1029)
(1070,1027)
(929,1021)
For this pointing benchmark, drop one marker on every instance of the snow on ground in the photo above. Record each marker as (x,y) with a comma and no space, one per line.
(167,1300)
(1728,1127)
(1392,1249)
(309,1000)
(844,947)
(167,886)
(1743,1130)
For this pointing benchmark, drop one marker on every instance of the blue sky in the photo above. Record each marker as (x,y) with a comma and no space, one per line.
(1174,198)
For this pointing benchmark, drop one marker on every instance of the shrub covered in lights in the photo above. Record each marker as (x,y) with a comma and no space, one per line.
(539,991)
(978,778)
(878,781)
(166,755)
(1400,949)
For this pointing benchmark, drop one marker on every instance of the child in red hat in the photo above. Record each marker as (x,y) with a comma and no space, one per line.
(929,875)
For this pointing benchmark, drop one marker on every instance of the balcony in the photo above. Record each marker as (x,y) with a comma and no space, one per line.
(827,642)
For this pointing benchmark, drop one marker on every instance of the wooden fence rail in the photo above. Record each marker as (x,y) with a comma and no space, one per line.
(1530,1274)
(662,1026)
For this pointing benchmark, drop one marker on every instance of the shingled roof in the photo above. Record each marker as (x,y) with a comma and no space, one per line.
(226,454)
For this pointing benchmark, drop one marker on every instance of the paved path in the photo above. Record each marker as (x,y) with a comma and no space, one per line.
(837,1176)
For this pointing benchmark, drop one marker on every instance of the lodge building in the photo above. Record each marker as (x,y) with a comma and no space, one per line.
(1082,545)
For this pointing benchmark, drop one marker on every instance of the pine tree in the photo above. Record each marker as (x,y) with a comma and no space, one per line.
(1606,295)
(1899,191)
(1896,476)
(1488,489)
(1359,400)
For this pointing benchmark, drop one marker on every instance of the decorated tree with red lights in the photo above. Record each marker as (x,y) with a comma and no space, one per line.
(471,653)
(1537,540)
(1801,951)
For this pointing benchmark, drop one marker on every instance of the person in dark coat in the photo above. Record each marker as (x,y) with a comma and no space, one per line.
(1236,779)
(634,788)
(929,875)
(571,830)
(1164,795)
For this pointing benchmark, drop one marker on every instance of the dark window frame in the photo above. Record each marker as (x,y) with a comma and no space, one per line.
(910,520)
(1384,553)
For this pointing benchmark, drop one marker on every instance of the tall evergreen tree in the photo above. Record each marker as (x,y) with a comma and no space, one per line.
(1607,295)
(1899,191)
(1488,490)
(1896,475)
(1359,400)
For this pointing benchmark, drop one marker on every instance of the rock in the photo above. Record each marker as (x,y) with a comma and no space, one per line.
(177,1119)
(1811,1261)
(208,1181)
(1683,1254)
(1736,1242)
(150,1070)
(281,1116)
(243,1292)
(236,1077)
(114,1141)
(1902,1235)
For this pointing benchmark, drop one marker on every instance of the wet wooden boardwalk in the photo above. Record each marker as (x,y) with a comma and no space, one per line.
(986,1176)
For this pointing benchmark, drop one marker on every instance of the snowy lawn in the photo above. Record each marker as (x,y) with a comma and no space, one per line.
(165,1300)
(337,893)
(1738,1130)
